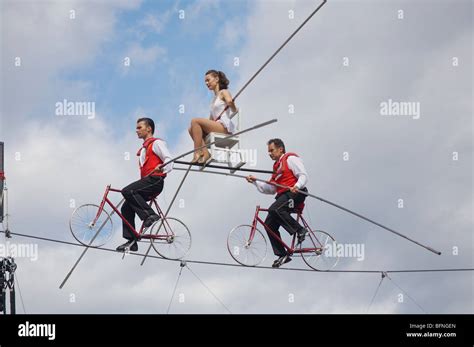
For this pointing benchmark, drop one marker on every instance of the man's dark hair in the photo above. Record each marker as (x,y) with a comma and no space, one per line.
(278,143)
(149,122)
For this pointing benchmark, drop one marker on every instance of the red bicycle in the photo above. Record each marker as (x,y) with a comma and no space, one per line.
(92,226)
(248,246)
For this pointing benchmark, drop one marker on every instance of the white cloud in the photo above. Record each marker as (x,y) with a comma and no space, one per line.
(142,58)
(48,43)
(200,17)
(230,34)
(155,23)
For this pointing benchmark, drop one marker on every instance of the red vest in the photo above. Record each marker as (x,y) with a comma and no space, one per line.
(282,174)
(151,159)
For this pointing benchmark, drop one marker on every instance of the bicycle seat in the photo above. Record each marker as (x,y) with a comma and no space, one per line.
(298,208)
(154,196)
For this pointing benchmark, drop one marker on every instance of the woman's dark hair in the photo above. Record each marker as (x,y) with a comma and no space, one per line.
(223,80)
(149,122)
(278,143)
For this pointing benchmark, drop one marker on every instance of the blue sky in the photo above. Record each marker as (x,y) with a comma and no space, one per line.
(190,46)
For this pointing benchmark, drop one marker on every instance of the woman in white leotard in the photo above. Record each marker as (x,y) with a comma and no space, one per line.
(218,121)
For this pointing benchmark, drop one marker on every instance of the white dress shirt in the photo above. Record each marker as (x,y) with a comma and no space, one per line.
(161,150)
(295,164)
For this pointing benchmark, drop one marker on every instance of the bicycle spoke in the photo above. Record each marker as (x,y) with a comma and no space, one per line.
(256,255)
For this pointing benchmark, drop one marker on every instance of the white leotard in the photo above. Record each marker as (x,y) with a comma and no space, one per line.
(217,105)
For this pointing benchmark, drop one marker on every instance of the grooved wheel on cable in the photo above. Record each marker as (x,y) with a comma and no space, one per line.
(84,231)
(172,238)
(244,249)
(320,250)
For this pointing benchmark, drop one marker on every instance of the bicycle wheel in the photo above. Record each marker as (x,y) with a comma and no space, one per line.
(321,252)
(245,251)
(83,230)
(173,238)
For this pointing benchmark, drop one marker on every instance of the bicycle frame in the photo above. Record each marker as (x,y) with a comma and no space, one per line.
(138,235)
(290,249)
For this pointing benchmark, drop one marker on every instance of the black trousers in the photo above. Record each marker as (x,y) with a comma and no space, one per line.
(136,196)
(279,215)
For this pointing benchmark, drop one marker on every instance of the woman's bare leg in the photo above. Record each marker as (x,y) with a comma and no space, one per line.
(207,127)
(198,138)
(200,127)
(197,154)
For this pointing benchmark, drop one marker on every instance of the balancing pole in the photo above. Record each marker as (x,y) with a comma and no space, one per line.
(223,167)
(333,204)
(273,55)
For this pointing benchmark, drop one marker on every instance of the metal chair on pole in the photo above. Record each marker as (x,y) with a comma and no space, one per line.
(225,149)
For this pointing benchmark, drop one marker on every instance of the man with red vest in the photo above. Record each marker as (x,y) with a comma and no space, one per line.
(288,171)
(151,155)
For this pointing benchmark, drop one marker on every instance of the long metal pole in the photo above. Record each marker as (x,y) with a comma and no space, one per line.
(281,47)
(273,55)
(335,205)
(224,167)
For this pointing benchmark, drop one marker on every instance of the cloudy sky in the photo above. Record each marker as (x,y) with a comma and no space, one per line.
(326,88)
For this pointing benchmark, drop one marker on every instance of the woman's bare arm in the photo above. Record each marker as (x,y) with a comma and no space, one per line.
(228,100)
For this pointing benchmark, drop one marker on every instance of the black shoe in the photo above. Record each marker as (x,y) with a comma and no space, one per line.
(150,220)
(301,235)
(276,262)
(130,245)
(282,260)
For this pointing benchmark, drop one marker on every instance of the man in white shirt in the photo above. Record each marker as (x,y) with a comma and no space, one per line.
(288,171)
(151,155)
